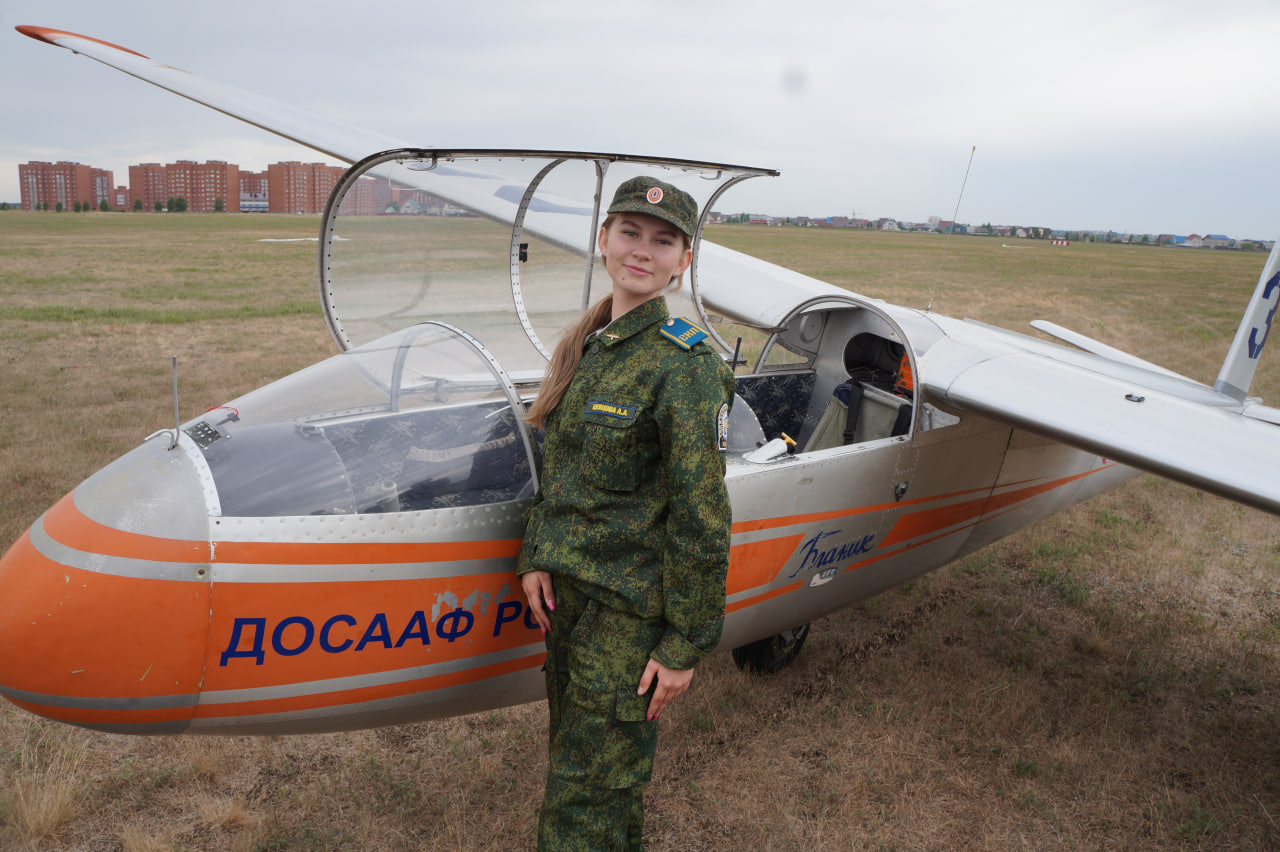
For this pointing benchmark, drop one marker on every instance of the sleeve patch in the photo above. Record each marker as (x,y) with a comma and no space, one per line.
(722,427)
(682,332)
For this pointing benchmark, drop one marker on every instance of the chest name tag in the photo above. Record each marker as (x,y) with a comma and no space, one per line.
(682,332)
(610,409)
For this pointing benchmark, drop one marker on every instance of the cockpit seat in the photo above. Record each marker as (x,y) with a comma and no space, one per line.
(857,412)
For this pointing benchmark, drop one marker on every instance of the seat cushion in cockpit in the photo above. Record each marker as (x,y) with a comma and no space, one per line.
(433,458)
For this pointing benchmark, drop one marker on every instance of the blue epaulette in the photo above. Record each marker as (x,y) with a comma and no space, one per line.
(682,332)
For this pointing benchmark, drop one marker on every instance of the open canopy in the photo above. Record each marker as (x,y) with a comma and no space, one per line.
(501,244)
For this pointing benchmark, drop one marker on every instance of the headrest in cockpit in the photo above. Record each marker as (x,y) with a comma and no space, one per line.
(871,358)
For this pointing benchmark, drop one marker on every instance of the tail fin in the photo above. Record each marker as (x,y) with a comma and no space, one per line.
(1242,358)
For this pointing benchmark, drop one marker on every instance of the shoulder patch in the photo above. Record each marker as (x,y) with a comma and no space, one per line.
(682,332)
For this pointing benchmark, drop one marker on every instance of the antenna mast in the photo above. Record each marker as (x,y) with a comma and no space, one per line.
(954,215)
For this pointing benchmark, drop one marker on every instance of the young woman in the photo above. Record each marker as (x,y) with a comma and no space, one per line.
(627,544)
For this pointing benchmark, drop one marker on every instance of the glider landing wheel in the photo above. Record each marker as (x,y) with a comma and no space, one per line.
(773,653)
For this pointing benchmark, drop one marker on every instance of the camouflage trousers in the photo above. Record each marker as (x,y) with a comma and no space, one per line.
(601,748)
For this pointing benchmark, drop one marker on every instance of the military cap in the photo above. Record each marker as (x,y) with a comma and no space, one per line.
(656,198)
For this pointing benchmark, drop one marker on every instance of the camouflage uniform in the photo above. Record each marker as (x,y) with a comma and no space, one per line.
(632,521)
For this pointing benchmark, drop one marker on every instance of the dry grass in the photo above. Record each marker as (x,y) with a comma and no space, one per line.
(42,799)
(1105,680)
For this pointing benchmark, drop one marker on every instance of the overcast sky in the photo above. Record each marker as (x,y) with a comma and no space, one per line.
(1145,116)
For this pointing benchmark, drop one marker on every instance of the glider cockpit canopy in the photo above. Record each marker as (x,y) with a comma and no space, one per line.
(501,244)
(445,277)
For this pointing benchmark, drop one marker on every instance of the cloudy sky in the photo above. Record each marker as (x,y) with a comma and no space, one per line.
(1145,116)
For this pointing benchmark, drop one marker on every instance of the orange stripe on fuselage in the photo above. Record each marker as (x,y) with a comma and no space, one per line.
(91,716)
(757,563)
(362,553)
(890,552)
(761,598)
(363,694)
(66,524)
(815,517)
(915,524)
(318,700)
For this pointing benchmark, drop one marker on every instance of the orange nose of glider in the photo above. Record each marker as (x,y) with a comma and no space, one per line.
(104,601)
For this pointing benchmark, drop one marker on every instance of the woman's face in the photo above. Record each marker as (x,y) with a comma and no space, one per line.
(642,254)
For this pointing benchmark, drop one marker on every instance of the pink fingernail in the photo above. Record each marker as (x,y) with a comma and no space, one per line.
(551,605)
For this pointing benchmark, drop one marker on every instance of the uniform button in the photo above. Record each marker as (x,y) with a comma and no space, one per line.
(595,347)
(671,322)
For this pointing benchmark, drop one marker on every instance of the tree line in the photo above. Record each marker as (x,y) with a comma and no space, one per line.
(174,204)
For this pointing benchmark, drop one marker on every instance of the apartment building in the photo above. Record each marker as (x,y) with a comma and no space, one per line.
(211,187)
(63,183)
(295,187)
(147,182)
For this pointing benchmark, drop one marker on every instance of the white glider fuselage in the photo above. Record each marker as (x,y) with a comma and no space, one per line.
(336,550)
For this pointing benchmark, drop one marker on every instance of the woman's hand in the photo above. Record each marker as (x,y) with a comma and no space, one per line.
(537,590)
(670,684)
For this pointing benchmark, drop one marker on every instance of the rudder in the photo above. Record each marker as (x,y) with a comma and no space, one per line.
(1242,358)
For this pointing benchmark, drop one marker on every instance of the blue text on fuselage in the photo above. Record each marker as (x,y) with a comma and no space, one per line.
(817,557)
(253,638)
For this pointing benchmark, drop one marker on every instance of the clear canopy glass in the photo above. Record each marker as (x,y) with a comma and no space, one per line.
(500,243)
(420,419)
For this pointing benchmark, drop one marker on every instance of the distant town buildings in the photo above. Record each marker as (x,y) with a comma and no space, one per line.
(293,187)
(937,225)
(212,187)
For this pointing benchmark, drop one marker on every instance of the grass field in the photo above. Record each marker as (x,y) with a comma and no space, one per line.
(1105,680)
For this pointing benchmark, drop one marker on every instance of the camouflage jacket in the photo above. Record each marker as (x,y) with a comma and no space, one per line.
(633,499)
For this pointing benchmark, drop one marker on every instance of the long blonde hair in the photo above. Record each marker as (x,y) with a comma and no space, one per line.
(568,352)
(565,359)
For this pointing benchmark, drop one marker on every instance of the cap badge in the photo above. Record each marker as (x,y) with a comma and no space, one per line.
(655,195)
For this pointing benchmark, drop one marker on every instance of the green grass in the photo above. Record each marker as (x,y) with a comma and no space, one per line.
(161,316)
(1106,679)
